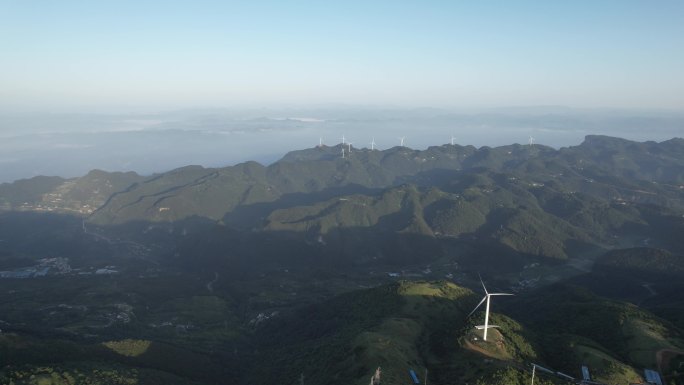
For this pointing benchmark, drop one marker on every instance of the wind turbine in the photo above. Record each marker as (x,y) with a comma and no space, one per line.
(401,140)
(487,296)
(342,152)
(453,138)
(372,144)
(320,142)
(531,141)
(349,144)
(342,139)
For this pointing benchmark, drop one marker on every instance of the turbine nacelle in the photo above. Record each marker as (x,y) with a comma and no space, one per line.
(481,327)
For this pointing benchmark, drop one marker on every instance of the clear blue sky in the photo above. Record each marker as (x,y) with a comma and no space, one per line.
(166,54)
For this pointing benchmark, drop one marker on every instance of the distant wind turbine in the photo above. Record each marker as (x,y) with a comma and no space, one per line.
(453,138)
(320,142)
(487,296)
(342,152)
(372,144)
(349,144)
(401,140)
(531,141)
(342,139)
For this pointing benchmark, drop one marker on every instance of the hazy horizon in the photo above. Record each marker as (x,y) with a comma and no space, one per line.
(70,145)
(156,85)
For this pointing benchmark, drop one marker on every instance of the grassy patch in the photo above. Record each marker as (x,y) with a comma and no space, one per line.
(128,347)
(604,367)
(644,339)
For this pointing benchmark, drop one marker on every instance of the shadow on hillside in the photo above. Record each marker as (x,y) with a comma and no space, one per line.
(198,244)
(29,236)
(174,359)
(248,216)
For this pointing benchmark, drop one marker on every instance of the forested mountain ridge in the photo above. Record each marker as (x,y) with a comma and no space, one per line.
(603,166)
(214,192)
(532,199)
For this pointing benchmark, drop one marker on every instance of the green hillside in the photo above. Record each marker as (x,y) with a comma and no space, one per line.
(212,193)
(423,325)
(344,338)
(643,260)
(616,339)
(78,195)
(27,191)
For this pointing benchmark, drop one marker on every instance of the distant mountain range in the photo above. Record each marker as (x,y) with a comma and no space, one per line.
(531,199)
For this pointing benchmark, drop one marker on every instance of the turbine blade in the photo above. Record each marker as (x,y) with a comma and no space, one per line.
(500,294)
(482,282)
(478,305)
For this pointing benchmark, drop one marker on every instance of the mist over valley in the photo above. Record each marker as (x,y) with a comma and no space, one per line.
(70,145)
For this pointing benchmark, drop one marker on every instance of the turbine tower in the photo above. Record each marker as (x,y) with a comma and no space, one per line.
(342,152)
(320,142)
(342,139)
(453,138)
(487,296)
(531,141)
(349,144)
(401,140)
(373,144)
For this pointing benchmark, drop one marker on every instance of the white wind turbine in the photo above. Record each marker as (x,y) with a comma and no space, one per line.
(342,152)
(342,139)
(531,141)
(320,142)
(401,140)
(372,144)
(487,296)
(349,144)
(453,138)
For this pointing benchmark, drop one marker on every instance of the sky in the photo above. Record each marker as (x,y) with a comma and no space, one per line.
(85,56)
